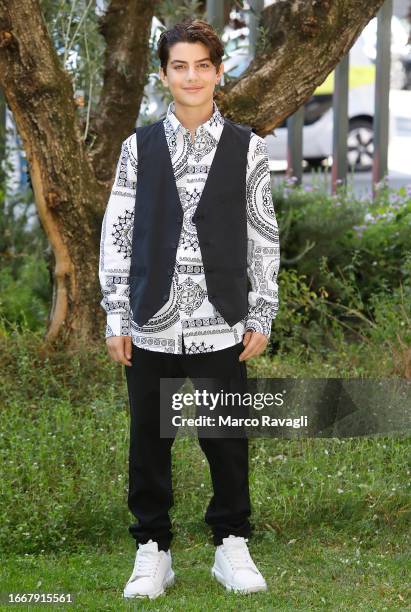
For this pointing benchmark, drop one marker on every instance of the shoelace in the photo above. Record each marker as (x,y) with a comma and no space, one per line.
(146,564)
(238,555)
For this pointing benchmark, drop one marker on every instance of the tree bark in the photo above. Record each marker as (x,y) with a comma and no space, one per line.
(70,179)
(126,28)
(304,40)
(302,43)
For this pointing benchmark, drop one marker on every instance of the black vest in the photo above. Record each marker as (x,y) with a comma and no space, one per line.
(220,218)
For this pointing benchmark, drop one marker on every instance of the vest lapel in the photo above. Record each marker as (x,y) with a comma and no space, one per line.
(217,160)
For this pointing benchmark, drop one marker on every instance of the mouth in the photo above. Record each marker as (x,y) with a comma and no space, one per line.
(192,88)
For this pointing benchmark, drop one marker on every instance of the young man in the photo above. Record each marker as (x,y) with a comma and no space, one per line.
(190,221)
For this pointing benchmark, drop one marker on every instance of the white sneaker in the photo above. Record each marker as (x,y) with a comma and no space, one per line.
(234,567)
(152,572)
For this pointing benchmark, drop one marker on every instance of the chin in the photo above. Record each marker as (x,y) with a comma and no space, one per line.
(194,100)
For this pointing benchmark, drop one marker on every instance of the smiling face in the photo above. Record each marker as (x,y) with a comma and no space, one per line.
(191,76)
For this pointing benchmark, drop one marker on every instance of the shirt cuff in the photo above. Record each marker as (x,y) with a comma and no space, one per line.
(260,316)
(258,326)
(118,324)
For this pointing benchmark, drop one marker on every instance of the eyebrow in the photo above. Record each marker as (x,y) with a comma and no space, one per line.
(184,62)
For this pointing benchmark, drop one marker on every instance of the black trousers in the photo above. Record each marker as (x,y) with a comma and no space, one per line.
(150,495)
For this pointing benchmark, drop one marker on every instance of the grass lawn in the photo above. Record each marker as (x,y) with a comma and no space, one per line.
(330,533)
(331,516)
(317,571)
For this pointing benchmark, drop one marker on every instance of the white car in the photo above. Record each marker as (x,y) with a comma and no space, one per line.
(317,136)
(318,111)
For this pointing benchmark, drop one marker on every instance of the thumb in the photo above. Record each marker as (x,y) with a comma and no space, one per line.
(127,347)
(247,337)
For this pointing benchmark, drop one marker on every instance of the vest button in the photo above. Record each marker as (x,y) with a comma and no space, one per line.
(165,297)
(170,271)
(173,245)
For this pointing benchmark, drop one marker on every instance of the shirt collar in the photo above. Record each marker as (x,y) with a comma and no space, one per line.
(211,125)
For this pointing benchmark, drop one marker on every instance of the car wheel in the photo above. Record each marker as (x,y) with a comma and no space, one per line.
(360,145)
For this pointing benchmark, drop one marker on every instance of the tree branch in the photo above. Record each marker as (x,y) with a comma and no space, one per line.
(126,28)
(304,41)
(39,92)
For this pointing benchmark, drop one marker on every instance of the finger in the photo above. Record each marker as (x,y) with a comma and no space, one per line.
(262,348)
(250,349)
(121,358)
(259,344)
(122,354)
(246,340)
(128,347)
(117,353)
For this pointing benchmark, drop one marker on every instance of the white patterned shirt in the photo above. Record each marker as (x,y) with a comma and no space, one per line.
(188,316)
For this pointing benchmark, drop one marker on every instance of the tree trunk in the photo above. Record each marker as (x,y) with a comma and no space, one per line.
(70,180)
(303,42)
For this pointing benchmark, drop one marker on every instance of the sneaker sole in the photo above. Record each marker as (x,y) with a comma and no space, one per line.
(253,589)
(167,582)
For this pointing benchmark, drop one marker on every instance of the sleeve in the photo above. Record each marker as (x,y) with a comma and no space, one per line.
(116,241)
(263,256)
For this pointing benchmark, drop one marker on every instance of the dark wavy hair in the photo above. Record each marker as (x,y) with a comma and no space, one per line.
(190,30)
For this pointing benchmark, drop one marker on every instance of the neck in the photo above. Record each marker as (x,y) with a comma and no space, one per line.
(190,117)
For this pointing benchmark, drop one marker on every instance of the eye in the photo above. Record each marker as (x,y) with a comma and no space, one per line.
(178,67)
(204,65)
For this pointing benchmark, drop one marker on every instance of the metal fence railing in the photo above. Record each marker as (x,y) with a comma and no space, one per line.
(340,101)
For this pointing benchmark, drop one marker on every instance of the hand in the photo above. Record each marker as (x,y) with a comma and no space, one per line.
(119,349)
(255,343)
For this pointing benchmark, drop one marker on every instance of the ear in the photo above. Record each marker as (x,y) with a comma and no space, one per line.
(220,72)
(163,77)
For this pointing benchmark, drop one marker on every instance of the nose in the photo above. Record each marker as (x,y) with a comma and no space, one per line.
(192,73)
